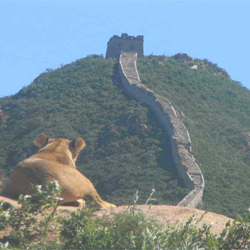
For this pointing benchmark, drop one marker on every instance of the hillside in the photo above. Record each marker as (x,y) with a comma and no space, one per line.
(215,110)
(125,149)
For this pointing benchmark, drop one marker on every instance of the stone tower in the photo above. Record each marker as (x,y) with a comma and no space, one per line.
(125,43)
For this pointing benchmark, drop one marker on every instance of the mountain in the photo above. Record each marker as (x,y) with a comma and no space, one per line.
(125,148)
(216,111)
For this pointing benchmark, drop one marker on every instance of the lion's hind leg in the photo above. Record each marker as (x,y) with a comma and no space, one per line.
(99,202)
(82,203)
(77,203)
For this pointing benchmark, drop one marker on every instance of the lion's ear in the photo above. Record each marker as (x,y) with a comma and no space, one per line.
(41,140)
(79,144)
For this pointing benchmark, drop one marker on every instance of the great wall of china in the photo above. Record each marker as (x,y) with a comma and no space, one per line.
(126,49)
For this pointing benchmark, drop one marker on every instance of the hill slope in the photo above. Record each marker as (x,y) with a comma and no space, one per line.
(124,150)
(215,110)
(125,146)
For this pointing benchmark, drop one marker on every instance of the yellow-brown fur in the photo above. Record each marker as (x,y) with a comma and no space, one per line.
(55,160)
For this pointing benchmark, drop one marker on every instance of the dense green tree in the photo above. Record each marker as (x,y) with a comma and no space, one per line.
(217,115)
(126,150)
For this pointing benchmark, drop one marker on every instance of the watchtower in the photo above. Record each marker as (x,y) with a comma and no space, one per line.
(125,43)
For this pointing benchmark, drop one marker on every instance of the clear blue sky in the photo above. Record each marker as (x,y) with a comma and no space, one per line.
(35,35)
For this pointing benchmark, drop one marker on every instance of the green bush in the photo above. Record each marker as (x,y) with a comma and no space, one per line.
(131,229)
(134,230)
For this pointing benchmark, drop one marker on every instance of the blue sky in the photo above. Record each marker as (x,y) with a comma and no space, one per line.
(35,35)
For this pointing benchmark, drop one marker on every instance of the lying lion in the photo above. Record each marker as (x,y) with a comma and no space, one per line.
(55,160)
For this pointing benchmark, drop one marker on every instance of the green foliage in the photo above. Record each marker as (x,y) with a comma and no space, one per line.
(217,115)
(236,234)
(131,229)
(123,231)
(126,149)
(28,226)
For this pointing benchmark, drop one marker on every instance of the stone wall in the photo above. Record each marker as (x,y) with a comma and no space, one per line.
(173,126)
(125,43)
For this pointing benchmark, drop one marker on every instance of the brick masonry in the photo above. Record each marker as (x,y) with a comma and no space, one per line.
(170,122)
(125,43)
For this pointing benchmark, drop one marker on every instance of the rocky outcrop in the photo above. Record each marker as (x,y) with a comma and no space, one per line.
(163,214)
(194,67)
(170,122)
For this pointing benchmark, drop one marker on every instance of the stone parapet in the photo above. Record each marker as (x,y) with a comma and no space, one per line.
(125,43)
(170,122)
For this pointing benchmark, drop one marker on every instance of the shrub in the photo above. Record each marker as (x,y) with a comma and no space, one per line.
(29,226)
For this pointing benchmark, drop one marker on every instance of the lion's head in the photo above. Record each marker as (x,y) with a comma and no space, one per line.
(65,150)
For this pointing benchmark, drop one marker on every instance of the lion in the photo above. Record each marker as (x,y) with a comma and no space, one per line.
(54,161)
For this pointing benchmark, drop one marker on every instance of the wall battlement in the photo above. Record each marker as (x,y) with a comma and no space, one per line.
(173,126)
(125,43)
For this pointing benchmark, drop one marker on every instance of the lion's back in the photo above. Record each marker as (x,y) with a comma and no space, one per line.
(27,172)
(39,171)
